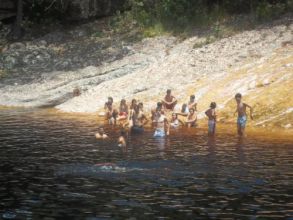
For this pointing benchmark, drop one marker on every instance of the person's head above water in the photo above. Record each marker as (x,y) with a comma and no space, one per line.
(213,105)
(238,97)
(101,130)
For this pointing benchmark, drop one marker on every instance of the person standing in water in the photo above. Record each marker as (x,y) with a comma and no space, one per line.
(131,111)
(242,115)
(138,121)
(211,114)
(161,124)
(123,110)
(169,102)
(111,113)
(175,121)
(192,103)
(191,118)
(159,108)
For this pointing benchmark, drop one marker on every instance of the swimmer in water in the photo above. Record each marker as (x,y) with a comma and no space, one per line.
(121,139)
(101,135)
(242,115)
(211,114)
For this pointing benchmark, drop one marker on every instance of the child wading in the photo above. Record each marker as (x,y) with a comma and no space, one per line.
(211,114)
(242,115)
(121,139)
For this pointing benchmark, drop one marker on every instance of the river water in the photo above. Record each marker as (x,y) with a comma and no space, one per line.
(53,168)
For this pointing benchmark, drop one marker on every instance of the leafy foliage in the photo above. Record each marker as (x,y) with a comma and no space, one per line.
(180,14)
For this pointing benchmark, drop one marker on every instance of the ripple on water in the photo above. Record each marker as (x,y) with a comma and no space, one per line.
(54,168)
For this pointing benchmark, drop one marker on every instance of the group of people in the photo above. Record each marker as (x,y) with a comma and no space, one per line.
(134,119)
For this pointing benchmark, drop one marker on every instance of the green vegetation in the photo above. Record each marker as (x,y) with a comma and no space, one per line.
(155,17)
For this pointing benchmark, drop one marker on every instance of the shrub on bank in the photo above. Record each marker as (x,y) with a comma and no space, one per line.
(156,16)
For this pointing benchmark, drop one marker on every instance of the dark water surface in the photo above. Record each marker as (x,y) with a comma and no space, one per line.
(53,168)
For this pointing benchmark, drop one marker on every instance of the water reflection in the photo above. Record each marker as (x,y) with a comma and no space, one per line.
(53,167)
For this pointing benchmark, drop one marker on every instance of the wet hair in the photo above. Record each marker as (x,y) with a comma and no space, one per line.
(213,105)
(110,98)
(159,105)
(192,109)
(136,108)
(183,109)
(174,114)
(168,90)
(192,96)
(133,103)
(122,132)
(238,95)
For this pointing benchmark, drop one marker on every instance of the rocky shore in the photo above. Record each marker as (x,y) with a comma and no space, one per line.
(254,62)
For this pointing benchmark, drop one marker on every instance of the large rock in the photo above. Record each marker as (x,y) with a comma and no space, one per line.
(85,9)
